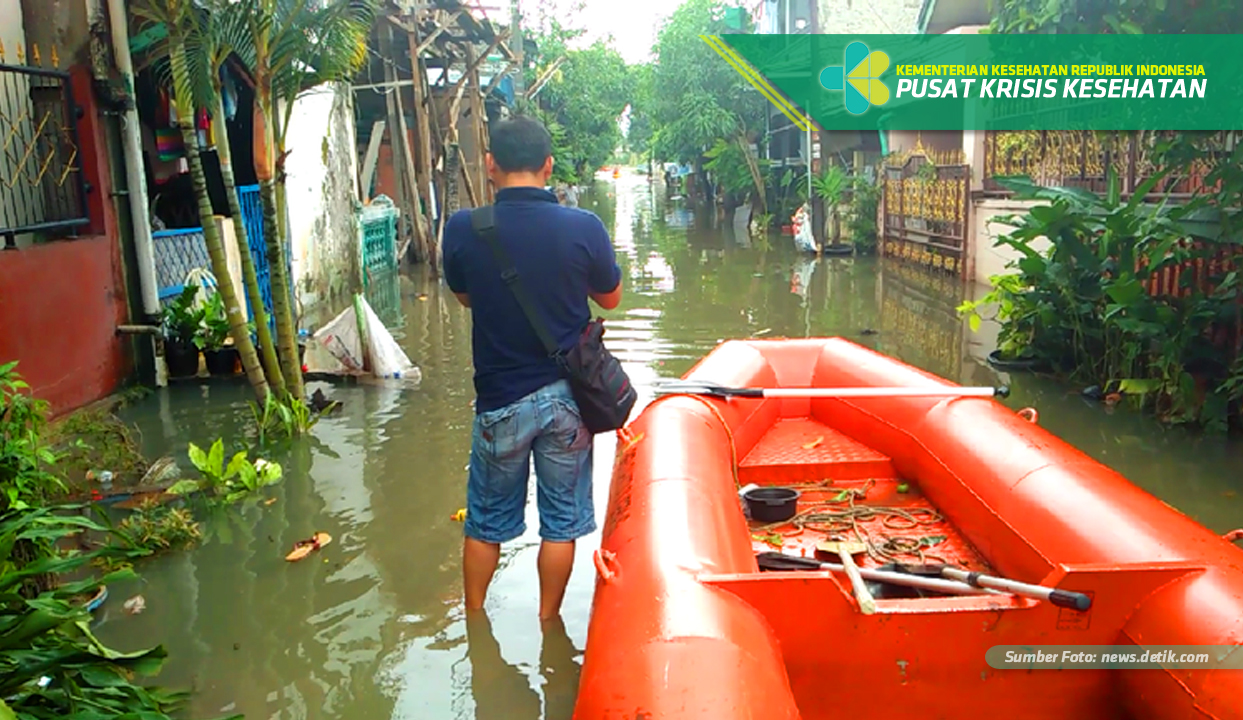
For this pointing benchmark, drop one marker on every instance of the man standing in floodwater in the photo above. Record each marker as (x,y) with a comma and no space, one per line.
(523,403)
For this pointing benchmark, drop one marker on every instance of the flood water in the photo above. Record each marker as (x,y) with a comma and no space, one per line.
(371,626)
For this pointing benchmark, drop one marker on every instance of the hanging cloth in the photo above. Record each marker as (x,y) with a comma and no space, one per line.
(228,93)
(168,144)
(204,130)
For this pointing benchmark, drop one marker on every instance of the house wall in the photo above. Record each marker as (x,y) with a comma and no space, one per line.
(61,301)
(322,198)
(863,17)
(987,259)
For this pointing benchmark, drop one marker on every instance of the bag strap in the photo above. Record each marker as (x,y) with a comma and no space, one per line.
(483,222)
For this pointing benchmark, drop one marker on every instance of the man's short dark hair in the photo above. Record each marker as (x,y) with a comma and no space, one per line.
(520,144)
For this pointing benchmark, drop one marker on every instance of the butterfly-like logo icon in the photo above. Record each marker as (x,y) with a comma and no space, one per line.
(859,78)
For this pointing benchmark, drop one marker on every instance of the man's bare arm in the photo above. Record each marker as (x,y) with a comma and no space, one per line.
(609,300)
(463,298)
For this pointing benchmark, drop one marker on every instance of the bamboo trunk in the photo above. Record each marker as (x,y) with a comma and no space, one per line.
(269,166)
(267,348)
(286,335)
(215,248)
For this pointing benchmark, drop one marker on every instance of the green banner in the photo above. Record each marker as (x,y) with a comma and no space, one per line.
(1004,82)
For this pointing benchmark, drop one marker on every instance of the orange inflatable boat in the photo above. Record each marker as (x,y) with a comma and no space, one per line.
(686,624)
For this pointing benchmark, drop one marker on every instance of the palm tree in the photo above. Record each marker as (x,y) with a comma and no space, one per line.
(296,46)
(180,18)
(223,32)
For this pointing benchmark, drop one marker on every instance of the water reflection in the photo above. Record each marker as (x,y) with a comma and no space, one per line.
(372,626)
(501,690)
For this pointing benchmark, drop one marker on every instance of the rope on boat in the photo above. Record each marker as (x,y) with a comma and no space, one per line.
(824,518)
(831,518)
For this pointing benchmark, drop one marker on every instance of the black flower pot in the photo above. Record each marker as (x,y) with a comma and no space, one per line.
(1016,365)
(222,361)
(182,358)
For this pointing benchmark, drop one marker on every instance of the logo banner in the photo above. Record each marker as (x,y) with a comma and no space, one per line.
(999,82)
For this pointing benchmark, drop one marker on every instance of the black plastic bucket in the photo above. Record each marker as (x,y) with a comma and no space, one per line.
(771,504)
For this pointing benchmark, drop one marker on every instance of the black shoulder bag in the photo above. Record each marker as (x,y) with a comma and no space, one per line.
(601,388)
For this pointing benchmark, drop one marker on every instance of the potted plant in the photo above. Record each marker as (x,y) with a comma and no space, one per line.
(220,357)
(182,322)
(831,187)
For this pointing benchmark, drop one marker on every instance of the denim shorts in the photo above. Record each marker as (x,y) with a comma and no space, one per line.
(545,423)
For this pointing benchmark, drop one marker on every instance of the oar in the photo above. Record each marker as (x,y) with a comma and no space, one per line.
(696,387)
(781,561)
(962,581)
(1060,598)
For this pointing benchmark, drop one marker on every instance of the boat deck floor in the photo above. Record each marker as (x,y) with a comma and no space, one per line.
(852,492)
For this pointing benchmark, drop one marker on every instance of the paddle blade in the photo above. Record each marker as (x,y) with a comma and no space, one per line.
(780,562)
(696,387)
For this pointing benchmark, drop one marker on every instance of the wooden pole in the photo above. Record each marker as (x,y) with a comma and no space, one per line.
(470,184)
(396,141)
(411,193)
(423,136)
(479,125)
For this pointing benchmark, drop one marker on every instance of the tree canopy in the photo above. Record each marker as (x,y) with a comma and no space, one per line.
(582,100)
(1117,17)
(695,97)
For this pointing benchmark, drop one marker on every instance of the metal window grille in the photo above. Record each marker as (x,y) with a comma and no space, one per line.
(42,188)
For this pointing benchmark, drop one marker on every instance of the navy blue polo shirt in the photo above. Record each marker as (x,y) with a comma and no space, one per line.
(561,254)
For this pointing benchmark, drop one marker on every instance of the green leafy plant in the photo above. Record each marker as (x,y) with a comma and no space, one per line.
(157,527)
(26,478)
(289,417)
(214,330)
(183,317)
(864,204)
(831,186)
(51,664)
(241,477)
(1083,305)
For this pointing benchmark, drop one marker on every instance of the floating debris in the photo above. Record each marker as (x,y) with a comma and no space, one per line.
(97,599)
(302,548)
(135,605)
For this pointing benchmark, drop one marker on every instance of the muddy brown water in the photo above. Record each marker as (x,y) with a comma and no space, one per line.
(371,626)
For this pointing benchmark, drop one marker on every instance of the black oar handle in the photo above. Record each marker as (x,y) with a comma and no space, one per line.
(1060,598)
(1069,599)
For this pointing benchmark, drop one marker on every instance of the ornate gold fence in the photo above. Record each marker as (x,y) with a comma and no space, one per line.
(1082,158)
(42,189)
(924,211)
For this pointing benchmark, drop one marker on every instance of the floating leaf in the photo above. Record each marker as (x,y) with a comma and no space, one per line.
(773,539)
(814,443)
